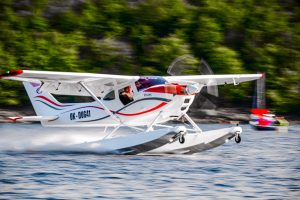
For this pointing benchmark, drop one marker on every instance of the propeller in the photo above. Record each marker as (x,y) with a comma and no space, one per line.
(189,65)
(212,89)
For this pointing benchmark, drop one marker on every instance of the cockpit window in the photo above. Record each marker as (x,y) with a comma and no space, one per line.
(110,96)
(126,95)
(146,82)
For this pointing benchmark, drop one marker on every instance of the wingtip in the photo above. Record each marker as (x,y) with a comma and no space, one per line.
(11,73)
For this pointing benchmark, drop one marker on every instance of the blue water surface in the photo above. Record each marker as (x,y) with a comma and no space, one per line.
(265,165)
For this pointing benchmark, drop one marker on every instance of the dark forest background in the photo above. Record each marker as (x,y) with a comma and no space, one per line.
(142,37)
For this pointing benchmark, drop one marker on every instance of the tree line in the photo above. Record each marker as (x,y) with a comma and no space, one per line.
(142,37)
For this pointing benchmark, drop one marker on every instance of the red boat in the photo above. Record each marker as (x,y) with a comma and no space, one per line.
(262,119)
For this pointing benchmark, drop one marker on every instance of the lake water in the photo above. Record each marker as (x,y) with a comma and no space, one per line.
(265,165)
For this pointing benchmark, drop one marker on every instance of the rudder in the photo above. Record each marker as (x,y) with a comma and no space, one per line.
(44,103)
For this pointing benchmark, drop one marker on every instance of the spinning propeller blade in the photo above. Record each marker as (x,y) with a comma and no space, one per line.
(189,65)
(206,70)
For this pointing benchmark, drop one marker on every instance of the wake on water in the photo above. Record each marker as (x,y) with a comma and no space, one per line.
(35,138)
(265,165)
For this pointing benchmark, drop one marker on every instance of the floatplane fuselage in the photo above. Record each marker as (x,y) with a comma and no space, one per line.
(143,103)
(152,99)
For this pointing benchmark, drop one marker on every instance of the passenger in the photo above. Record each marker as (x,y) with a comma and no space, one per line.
(127,95)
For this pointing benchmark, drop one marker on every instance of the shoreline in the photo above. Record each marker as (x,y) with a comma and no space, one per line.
(200,116)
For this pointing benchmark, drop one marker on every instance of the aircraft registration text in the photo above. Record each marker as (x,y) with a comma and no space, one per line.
(80,114)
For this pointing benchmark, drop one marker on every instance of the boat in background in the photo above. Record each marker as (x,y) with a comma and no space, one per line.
(262,118)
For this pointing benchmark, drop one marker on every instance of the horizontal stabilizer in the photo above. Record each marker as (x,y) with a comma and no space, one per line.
(32,118)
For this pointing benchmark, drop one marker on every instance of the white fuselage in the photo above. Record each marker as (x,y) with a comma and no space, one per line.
(147,106)
(140,112)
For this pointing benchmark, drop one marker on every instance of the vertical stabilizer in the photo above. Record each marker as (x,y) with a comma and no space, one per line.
(43,102)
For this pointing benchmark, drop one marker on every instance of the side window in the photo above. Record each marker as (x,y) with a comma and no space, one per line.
(126,95)
(73,99)
(110,96)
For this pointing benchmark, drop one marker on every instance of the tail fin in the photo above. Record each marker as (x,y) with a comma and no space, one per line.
(44,103)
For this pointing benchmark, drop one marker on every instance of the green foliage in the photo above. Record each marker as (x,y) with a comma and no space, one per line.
(107,55)
(144,37)
(166,50)
(163,16)
(206,36)
(225,60)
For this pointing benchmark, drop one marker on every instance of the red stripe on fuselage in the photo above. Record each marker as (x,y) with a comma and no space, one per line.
(169,89)
(146,111)
(123,114)
(50,101)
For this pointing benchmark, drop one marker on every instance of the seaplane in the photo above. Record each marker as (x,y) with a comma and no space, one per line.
(142,104)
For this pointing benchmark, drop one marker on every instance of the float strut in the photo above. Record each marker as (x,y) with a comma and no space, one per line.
(113,131)
(192,123)
(153,122)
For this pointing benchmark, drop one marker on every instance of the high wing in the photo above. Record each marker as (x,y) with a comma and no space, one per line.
(213,79)
(66,83)
(67,77)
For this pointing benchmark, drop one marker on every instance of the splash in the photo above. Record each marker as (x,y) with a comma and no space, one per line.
(35,138)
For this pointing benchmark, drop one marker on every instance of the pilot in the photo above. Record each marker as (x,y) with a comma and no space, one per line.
(127,95)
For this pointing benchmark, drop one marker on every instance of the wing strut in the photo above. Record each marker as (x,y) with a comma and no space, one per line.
(100,102)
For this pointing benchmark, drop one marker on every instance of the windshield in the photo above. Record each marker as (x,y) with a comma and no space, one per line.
(146,82)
